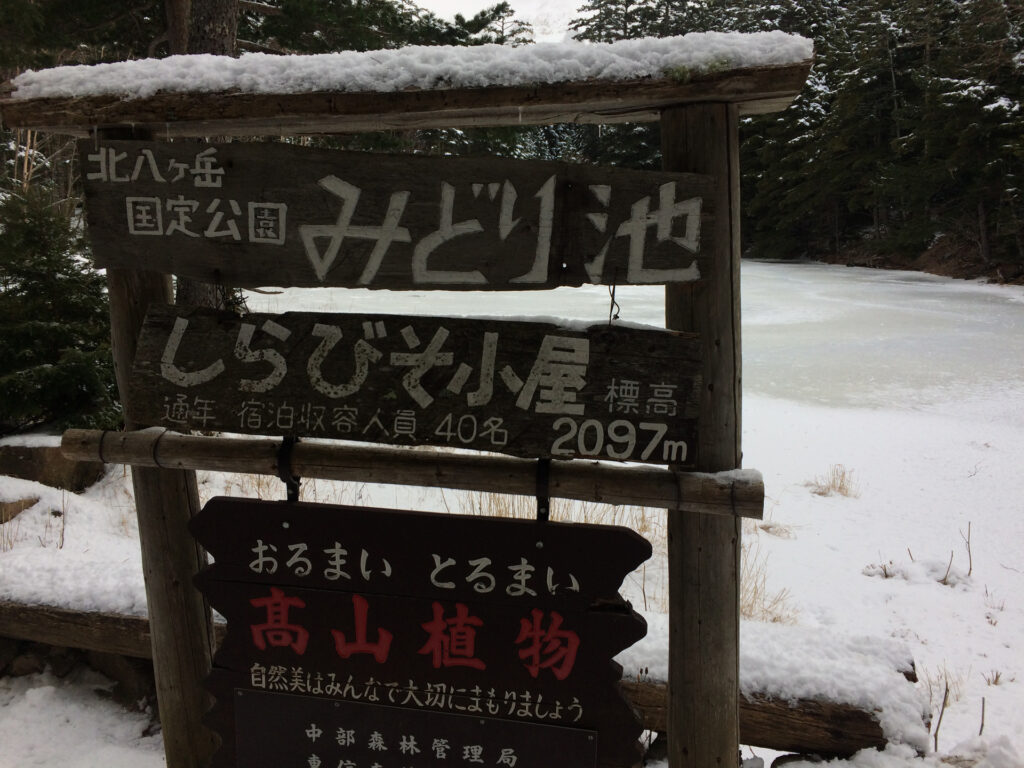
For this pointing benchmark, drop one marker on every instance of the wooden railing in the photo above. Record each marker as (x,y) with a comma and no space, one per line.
(805,726)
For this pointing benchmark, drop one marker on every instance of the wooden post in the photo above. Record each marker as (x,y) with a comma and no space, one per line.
(704,551)
(165,500)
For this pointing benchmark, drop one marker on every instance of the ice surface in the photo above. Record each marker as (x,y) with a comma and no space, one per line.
(860,337)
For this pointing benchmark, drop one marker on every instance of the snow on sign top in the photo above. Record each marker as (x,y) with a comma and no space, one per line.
(421,67)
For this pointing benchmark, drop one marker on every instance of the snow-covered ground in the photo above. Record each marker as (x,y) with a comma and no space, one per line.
(913,384)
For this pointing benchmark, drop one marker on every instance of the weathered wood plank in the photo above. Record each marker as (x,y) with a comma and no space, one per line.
(272,732)
(806,725)
(165,500)
(175,115)
(182,627)
(334,590)
(729,494)
(563,575)
(284,215)
(90,631)
(527,389)
(704,551)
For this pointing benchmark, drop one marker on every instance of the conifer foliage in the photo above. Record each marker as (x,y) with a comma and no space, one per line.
(55,366)
(909,133)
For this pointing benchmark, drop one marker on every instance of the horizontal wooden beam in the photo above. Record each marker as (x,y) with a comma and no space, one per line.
(805,726)
(169,115)
(103,632)
(738,494)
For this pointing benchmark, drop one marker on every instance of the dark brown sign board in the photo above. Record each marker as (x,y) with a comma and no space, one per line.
(525,388)
(353,629)
(284,730)
(278,214)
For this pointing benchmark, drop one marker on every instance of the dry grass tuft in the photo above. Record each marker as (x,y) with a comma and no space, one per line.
(9,534)
(262,487)
(757,603)
(837,481)
(995,677)
(269,487)
(937,682)
(9,522)
(649,523)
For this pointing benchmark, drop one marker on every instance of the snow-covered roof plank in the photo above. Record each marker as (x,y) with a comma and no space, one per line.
(414,87)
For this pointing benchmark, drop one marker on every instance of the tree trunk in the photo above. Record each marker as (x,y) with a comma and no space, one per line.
(213,27)
(983,241)
(204,26)
(194,293)
(835,225)
(178,13)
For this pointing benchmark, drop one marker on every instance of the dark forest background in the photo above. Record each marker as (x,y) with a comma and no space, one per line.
(905,148)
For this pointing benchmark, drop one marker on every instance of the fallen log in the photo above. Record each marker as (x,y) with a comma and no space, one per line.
(832,729)
(805,726)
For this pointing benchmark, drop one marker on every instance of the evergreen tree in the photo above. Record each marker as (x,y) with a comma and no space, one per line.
(792,200)
(979,112)
(325,26)
(909,127)
(504,28)
(55,364)
(46,33)
(604,21)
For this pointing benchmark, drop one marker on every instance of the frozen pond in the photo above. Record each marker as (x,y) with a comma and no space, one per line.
(850,336)
(814,333)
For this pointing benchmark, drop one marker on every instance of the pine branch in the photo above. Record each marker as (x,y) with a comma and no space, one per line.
(263,9)
(248,45)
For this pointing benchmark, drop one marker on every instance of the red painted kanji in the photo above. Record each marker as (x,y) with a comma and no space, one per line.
(452,641)
(277,632)
(378,650)
(553,648)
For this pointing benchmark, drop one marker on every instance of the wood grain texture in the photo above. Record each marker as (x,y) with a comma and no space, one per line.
(805,726)
(588,697)
(460,604)
(810,726)
(251,215)
(90,631)
(704,551)
(164,501)
(563,552)
(182,629)
(173,115)
(713,494)
(527,389)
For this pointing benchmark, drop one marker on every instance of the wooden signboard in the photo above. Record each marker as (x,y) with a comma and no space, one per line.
(277,214)
(528,389)
(360,636)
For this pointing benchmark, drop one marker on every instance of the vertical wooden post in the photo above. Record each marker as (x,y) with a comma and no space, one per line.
(704,550)
(165,500)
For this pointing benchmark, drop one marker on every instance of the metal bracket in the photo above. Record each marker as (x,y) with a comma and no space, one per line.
(543,490)
(284,467)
